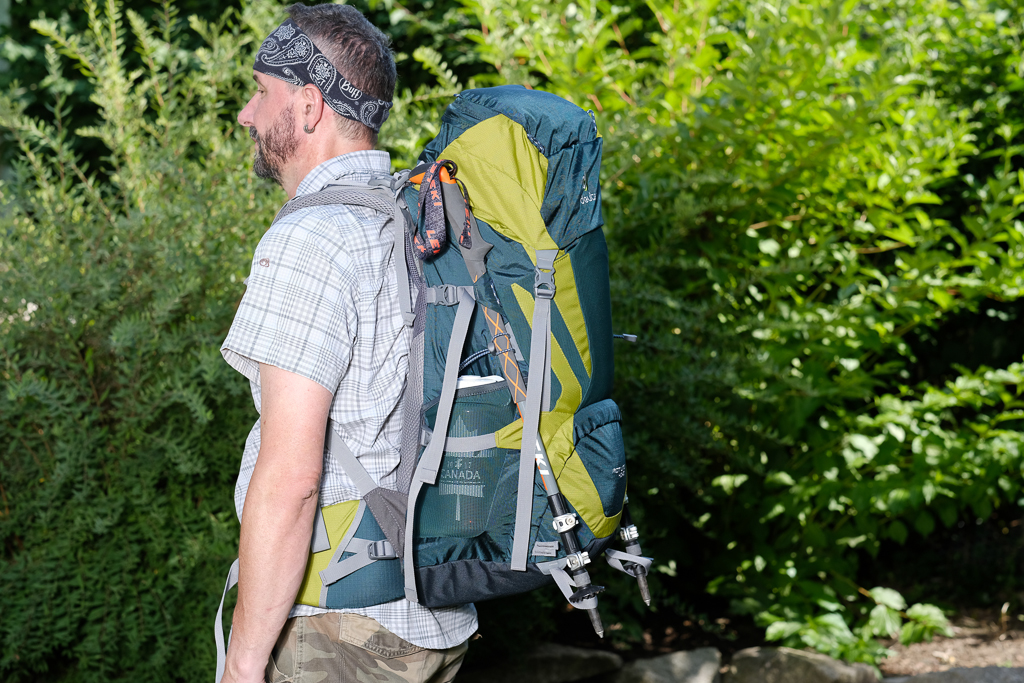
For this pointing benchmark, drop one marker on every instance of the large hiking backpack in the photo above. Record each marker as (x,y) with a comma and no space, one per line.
(512,469)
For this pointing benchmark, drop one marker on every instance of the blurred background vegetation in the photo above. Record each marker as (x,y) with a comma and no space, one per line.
(814,217)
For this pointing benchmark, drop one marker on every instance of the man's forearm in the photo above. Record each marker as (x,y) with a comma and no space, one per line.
(273,549)
(277,519)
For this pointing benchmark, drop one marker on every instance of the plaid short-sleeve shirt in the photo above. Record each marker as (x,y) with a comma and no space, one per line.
(321,301)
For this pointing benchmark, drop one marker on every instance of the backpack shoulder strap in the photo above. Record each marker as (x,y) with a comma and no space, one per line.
(374,195)
(379,194)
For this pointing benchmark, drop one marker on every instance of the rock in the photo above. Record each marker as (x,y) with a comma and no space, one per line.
(784,665)
(693,666)
(983,674)
(548,664)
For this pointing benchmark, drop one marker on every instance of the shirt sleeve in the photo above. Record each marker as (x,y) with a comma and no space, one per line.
(298,312)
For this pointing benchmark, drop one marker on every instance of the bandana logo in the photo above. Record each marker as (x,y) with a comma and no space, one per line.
(351,91)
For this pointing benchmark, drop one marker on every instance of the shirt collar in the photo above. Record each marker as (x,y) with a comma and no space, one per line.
(360,165)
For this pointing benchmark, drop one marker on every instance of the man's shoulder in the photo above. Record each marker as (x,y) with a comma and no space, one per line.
(342,225)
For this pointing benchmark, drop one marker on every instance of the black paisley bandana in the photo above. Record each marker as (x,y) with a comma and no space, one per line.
(290,55)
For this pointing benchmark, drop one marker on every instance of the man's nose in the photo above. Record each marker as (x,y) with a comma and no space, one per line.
(245,116)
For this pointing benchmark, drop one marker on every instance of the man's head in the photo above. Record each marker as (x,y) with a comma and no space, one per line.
(357,49)
(325,79)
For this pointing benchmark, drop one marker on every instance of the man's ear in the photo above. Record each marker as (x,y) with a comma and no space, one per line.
(312,107)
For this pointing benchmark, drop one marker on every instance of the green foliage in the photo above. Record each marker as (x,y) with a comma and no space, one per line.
(831,634)
(120,423)
(779,179)
(797,197)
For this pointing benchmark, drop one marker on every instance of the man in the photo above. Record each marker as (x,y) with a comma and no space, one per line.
(319,334)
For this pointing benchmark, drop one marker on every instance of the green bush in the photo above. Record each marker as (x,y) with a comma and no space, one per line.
(120,425)
(795,195)
(778,191)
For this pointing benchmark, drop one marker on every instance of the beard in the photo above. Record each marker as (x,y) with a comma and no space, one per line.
(275,147)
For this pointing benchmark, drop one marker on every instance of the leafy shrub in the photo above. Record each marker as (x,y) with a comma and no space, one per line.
(788,214)
(774,199)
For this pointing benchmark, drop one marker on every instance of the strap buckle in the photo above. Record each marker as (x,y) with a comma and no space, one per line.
(544,283)
(443,295)
(381,550)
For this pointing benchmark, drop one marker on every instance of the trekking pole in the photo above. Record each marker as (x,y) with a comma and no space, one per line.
(564,521)
(629,534)
(565,524)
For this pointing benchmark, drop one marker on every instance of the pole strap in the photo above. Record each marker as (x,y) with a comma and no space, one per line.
(622,561)
(565,582)
(218,628)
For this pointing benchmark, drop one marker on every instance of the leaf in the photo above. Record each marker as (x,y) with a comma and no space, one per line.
(864,444)
(912,632)
(884,621)
(769,247)
(925,523)
(897,531)
(781,630)
(729,482)
(930,616)
(888,597)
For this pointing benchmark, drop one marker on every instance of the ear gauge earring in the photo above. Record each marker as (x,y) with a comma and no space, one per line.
(307,129)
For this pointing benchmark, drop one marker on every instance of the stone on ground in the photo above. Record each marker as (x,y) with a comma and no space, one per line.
(693,666)
(784,665)
(548,663)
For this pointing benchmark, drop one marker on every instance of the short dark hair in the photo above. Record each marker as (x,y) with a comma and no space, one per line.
(358,50)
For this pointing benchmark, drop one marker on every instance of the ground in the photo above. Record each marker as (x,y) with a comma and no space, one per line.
(979,639)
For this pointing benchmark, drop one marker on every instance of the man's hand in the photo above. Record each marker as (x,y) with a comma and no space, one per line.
(277,519)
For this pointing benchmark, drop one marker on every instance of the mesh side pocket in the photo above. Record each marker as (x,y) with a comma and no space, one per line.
(475,489)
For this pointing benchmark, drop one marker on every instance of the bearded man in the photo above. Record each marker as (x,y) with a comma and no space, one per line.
(320,335)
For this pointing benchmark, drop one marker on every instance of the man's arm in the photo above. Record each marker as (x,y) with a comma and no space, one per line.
(277,520)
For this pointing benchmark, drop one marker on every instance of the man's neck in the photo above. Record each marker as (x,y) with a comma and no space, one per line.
(318,150)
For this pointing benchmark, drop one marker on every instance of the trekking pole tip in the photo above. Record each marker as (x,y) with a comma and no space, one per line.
(645,589)
(595,621)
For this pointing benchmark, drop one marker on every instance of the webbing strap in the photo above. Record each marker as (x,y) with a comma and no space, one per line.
(320,541)
(621,561)
(471,444)
(430,462)
(400,226)
(540,347)
(218,628)
(360,547)
(412,396)
(342,545)
(349,462)
(556,570)
(351,194)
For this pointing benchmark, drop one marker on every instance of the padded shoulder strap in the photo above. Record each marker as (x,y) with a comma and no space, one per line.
(370,196)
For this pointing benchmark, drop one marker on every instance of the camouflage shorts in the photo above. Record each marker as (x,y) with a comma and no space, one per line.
(348,648)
